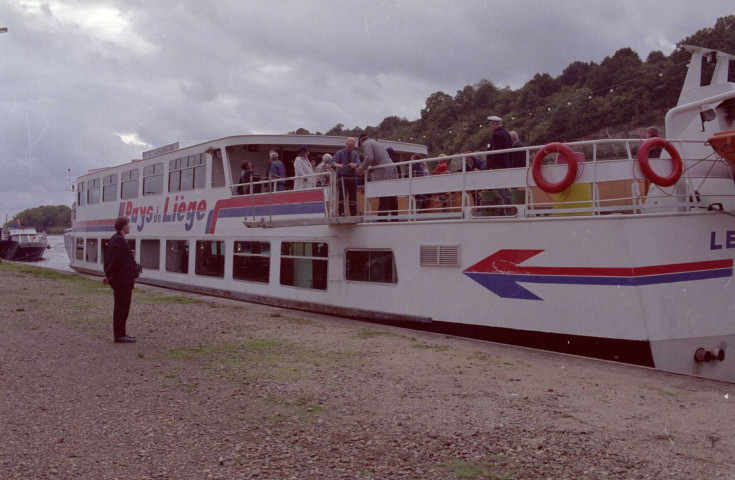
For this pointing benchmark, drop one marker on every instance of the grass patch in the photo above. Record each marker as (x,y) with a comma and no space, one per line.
(663,391)
(260,358)
(149,298)
(469,469)
(78,283)
(364,333)
(484,357)
(273,417)
(426,346)
(301,321)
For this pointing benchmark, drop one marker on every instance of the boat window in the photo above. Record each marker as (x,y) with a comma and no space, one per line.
(218,169)
(376,266)
(153,179)
(177,256)
(150,254)
(109,188)
(81,194)
(187,173)
(304,264)
(93,191)
(103,246)
(79,251)
(129,185)
(91,250)
(251,261)
(210,258)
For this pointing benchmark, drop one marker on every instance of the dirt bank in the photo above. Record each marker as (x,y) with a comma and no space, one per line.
(222,389)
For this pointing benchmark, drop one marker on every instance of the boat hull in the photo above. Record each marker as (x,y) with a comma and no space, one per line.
(11,250)
(633,302)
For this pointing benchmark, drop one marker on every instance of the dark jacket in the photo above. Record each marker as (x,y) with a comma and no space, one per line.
(245,176)
(518,159)
(119,262)
(501,141)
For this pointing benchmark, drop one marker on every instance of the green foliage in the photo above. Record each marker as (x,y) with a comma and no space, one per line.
(49,219)
(622,93)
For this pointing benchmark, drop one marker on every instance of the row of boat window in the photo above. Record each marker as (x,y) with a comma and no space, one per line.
(187,173)
(302,264)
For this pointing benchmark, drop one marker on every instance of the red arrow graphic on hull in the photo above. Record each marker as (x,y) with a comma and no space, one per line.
(501,272)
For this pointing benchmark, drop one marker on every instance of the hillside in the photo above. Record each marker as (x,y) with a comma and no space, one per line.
(623,93)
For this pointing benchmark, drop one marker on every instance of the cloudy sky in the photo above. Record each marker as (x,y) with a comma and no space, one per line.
(89,84)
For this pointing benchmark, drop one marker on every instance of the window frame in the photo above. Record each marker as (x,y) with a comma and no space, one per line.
(394,270)
(153,178)
(297,262)
(129,177)
(254,256)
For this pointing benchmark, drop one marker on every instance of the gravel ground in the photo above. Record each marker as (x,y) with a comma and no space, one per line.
(229,390)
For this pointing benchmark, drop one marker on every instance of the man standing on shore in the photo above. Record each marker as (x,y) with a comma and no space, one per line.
(120,275)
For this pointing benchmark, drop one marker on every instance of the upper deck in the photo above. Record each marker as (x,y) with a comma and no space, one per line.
(202,180)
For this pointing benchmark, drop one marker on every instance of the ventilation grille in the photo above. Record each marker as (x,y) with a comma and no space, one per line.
(440,255)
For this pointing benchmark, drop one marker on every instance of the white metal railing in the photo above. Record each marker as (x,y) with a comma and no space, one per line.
(594,171)
(514,192)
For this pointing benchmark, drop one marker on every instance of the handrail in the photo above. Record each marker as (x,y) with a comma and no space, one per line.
(599,169)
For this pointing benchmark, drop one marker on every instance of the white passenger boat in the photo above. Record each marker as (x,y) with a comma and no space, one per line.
(603,252)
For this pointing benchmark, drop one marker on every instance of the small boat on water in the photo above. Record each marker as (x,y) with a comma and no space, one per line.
(593,248)
(22,244)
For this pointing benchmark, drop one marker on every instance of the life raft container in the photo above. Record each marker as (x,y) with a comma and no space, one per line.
(677,167)
(723,143)
(569,156)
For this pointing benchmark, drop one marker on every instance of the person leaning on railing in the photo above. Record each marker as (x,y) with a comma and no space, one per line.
(345,163)
(377,156)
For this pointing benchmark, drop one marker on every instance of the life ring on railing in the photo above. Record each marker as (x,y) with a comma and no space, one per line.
(568,155)
(676,169)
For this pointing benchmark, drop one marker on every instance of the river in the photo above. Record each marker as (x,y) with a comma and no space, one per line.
(54,257)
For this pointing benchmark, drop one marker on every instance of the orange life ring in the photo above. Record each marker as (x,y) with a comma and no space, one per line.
(568,155)
(676,170)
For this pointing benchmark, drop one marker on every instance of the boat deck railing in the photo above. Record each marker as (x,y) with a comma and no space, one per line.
(609,181)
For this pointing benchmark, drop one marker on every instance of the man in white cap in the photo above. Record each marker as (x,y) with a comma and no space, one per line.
(501,140)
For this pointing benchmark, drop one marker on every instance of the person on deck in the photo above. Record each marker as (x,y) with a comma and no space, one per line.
(276,171)
(324,168)
(303,171)
(345,162)
(517,159)
(420,169)
(120,274)
(246,176)
(655,152)
(377,156)
(500,141)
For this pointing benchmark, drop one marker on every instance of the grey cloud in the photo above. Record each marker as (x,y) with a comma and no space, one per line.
(196,70)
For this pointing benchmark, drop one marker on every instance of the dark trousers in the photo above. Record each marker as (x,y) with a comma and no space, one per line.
(347,186)
(388,206)
(123,295)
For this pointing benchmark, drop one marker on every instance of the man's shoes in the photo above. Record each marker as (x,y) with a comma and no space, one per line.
(125,339)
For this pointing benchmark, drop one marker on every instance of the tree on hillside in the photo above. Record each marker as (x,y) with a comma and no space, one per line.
(53,219)
(620,93)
